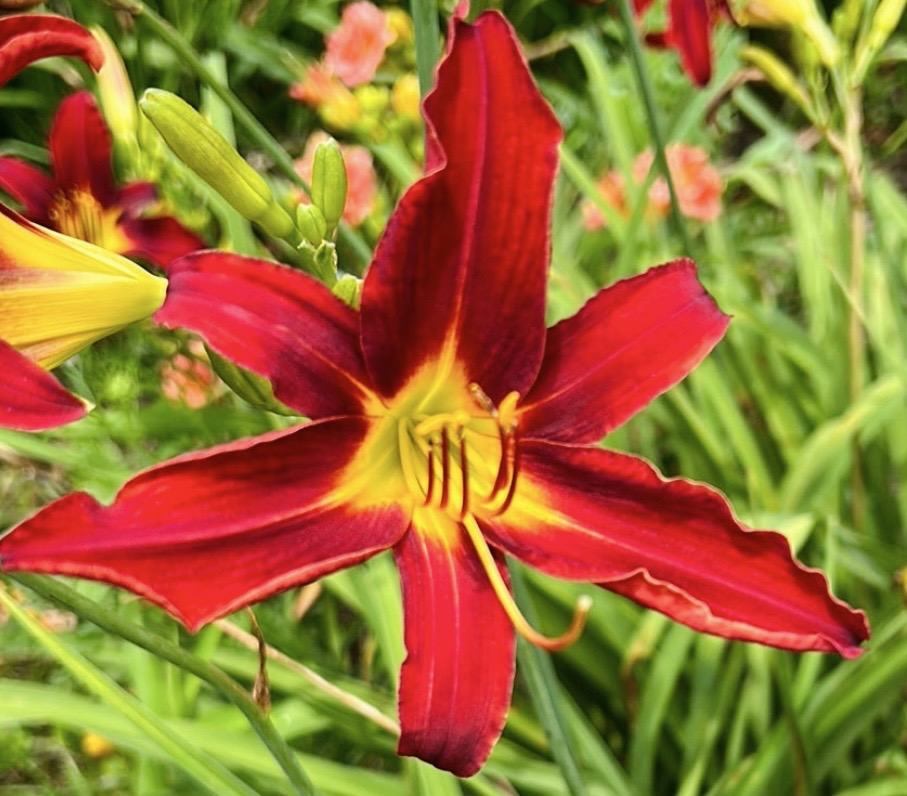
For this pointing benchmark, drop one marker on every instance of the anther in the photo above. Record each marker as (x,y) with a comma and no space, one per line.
(502,592)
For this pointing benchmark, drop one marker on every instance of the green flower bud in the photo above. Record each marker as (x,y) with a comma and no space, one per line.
(349,290)
(326,263)
(311,224)
(884,21)
(249,386)
(780,76)
(203,149)
(329,182)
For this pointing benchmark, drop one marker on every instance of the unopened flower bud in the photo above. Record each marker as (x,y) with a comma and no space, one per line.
(251,387)
(311,224)
(801,15)
(329,182)
(210,155)
(349,290)
(779,75)
(884,21)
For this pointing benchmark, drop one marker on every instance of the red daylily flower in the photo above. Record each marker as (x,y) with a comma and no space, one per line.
(81,200)
(449,425)
(25,38)
(690,24)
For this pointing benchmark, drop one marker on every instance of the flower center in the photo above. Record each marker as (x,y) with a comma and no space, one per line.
(463,461)
(78,214)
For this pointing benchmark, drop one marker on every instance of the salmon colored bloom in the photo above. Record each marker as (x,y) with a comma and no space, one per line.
(449,425)
(697,182)
(361,180)
(356,48)
(81,200)
(57,296)
(690,24)
(187,378)
(319,86)
(25,38)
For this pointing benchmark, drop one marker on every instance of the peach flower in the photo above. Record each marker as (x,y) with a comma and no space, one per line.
(356,48)
(697,182)
(188,378)
(361,180)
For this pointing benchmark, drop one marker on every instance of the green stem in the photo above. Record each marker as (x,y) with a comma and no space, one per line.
(428,50)
(57,592)
(545,690)
(648,95)
(244,117)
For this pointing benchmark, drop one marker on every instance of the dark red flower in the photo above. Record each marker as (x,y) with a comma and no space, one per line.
(448,425)
(25,38)
(81,199)
(690,24)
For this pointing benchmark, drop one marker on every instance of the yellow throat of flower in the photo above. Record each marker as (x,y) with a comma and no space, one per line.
(78,214)
(443,449)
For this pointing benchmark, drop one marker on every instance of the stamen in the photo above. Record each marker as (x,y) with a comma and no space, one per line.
(513,457)
(430,489)
(502,592)
(436,422)
(464,469)
(407,465)
(445,468)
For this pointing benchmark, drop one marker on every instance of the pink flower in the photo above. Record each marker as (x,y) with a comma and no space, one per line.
(362,183)
(188,378)
(697,182)
(317,87)
(356,48)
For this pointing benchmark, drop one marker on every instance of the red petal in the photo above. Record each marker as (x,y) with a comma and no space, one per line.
(690,31)
(211,532)
(629,344)
(80,148)
(135,197)
(463,261)
(30,398)
(25,38)
(276,322)
(158,240)
(458,674)
(29,186)
(670,545)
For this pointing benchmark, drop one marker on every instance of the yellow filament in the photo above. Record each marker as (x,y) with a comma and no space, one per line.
(437,422)
(520,624)
(407,466)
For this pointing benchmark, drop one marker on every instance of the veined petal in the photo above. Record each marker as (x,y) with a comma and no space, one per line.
(276,322)
(25,38)
(59,294)
(30,398)
(158,240)
(80,148)
(690,32)
(208,533)
(458,674)
(461,270)
(27,185)
(626,346)
(591,514)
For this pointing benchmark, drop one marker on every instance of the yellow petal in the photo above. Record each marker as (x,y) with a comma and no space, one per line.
(59,295)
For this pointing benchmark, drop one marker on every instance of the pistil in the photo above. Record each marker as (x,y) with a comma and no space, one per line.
(502,592)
